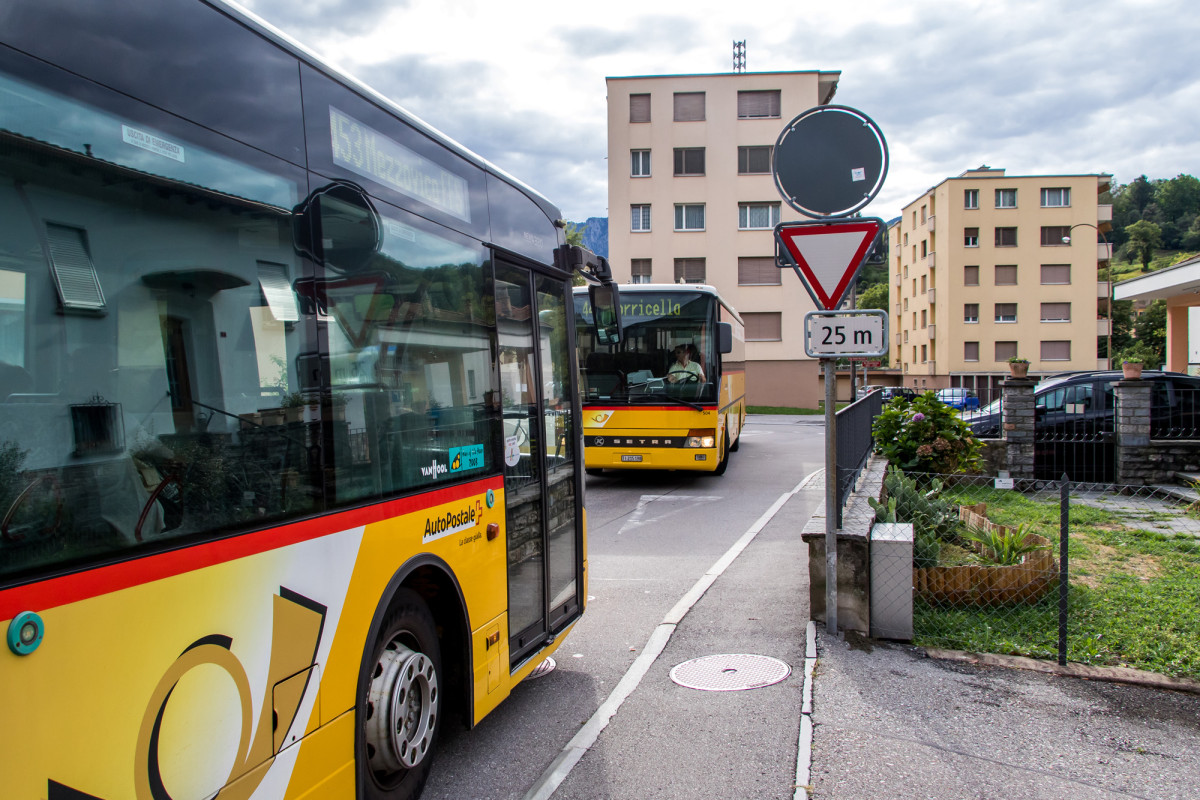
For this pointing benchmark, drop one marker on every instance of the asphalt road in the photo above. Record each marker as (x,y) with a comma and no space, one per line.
(652,536)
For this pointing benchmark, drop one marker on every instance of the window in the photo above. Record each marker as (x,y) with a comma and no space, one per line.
(639,163)
(924,318)
(755,160)
(1005,350)
(1006,312)
(1053,235)
(689,270)
(1056,198)
(758,104)
(1056,351)
(1006,237)
(689,106)
(1056,312)
(639,218)
(639,108)
(970,351)
(971,276)
(639,269)
(971,312)
(970,237)
(757,216)
(758,271)
(924,353)
(689,160)
(1056,274)
(689,217)
(970,198)
(924,248)
(763,326)
(922,213)
(1006,198)
(1006,274)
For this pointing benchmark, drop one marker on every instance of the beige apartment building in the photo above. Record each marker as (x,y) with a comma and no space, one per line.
(987,266)
(692,198)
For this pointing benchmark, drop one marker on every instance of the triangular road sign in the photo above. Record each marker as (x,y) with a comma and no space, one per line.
(827,254)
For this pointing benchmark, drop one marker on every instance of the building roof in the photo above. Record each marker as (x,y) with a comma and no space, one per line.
(1179,279)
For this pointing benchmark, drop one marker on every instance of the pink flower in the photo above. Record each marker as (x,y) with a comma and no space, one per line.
(917,417)
(924,451)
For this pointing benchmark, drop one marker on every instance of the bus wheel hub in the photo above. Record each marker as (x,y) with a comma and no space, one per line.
(403,703)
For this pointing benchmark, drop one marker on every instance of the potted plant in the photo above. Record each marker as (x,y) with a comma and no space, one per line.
(1132,369)
(1018,367)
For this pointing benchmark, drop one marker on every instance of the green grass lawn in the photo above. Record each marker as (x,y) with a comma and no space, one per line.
(1133,596)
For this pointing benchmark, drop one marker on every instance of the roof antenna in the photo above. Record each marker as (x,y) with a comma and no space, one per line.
(739,56)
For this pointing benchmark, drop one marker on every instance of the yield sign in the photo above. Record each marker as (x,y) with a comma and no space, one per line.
(827,254)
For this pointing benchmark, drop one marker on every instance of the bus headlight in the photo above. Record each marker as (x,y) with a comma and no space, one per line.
(701,437)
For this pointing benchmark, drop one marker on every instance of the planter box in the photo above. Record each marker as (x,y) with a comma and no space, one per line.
(984,585)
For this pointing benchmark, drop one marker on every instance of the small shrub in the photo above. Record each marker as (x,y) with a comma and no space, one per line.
(934,520)
(1005,546)
(925,435)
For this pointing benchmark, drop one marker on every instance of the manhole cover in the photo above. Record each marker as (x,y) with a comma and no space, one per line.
(544,668)
(731,672)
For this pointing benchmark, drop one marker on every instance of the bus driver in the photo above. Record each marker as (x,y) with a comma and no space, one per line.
(685,370)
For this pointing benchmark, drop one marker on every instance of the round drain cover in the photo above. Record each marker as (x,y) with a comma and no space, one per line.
(731,672)
(544,668)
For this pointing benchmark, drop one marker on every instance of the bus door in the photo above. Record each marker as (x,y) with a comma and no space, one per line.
(540,461)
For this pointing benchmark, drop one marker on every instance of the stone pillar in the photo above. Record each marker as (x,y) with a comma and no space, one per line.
(1132,451)
(1017,425)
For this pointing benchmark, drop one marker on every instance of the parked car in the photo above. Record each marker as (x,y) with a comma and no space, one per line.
(1087,399)
(888,391)
(958,397)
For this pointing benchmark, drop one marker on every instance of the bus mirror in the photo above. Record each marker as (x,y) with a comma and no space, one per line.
(725,336)
(338,226)
(606,312)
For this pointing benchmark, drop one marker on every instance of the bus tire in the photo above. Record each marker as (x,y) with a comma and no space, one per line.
(723,464)
(733,448)
(400,714)
(593,471)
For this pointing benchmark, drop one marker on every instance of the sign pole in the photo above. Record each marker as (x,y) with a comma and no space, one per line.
(830,496)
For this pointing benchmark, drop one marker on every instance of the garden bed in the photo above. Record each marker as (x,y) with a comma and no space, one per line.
(987,585)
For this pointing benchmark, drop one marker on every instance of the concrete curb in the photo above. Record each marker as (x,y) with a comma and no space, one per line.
(1135,677)
(804,746)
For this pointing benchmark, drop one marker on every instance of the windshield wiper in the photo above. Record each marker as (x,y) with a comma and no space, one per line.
(670,397)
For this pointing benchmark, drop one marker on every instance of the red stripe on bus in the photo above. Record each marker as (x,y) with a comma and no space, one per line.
(88,583)
(649,408)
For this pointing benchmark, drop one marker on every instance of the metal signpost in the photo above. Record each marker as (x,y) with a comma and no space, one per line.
(829,162)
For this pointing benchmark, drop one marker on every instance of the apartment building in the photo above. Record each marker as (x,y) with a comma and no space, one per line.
(987,266)
(691,198)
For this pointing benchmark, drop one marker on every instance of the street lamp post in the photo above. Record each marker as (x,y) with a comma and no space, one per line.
(1067,240)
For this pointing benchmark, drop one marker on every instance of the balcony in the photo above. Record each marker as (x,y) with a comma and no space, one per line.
(1103,288)
(929,222)
(932,331)
(1103,214)
(1103,326)
(1103,251)
(929,260)
(931,296)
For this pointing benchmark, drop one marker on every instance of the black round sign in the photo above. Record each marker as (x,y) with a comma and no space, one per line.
(830,161)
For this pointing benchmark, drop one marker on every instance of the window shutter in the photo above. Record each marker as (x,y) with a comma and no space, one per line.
(763,326)
(689,106)
(1056,351)
(758,271)
(639,108)
(277,290)
(74,273)
(758,105)
(1056,273)
(689,270)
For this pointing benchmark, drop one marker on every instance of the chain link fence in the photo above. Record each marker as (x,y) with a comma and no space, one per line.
(1091,573)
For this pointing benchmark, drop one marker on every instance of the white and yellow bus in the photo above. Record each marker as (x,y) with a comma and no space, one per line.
(672,393)
(290,473)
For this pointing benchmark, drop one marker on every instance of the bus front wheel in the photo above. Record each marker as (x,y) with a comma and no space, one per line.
(400,714)
(723,464)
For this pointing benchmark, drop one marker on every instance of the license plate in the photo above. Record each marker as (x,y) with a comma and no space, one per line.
(631,458)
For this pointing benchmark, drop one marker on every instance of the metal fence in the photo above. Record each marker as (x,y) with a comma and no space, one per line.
(1091,573)
(854,443)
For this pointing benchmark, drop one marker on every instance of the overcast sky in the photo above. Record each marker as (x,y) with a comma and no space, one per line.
(1050,87)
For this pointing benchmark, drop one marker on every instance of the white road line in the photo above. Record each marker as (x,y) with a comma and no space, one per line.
(557,772)
(638,516)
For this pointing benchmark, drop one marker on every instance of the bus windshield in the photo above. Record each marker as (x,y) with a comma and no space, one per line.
(668,353)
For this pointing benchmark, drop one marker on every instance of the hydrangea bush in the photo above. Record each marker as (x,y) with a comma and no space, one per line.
(925,435)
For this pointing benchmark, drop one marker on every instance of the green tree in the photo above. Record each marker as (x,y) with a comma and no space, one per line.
(1178,197)
(874,297)
(1150,331)
(1144,239)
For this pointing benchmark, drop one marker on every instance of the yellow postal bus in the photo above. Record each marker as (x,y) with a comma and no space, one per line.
(671,394)
(290,472)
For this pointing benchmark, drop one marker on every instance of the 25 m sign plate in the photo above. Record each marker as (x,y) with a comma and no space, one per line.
(844,334)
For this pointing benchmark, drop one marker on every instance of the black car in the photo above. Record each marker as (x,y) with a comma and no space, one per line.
(1074,418)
